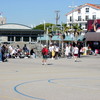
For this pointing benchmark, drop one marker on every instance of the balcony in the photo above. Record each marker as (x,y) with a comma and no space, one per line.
(77,21)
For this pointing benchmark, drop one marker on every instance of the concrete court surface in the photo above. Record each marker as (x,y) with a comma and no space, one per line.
(62,79)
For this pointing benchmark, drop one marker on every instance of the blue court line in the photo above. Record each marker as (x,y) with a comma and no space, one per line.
(15,89)
(52,80)
(49,81)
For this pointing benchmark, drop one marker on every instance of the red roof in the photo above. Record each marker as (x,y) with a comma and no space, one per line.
(87,4)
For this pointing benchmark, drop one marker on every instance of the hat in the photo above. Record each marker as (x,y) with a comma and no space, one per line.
(44,45)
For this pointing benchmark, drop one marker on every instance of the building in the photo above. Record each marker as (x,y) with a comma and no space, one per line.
(82,14)
(13,32)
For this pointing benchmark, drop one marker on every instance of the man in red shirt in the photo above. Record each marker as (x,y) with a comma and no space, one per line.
(44,54)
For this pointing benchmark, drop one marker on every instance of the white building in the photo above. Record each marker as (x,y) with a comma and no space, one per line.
(83,13)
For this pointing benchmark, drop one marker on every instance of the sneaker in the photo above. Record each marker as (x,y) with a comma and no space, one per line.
(75,60)
(45,63)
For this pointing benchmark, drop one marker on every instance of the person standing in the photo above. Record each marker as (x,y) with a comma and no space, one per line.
(75,53)
(0,54)
(3,51)
(79,48)
(67,51)
(50,50)
(44,54)
(56,51)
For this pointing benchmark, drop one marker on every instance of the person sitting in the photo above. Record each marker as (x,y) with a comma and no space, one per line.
(32,53)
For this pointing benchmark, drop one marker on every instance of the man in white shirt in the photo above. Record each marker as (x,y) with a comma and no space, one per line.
(51,47)
(56,52)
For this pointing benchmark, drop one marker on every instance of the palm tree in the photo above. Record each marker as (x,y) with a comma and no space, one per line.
(77,29)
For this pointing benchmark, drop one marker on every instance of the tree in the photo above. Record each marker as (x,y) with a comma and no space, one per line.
(41,26)
(77,29)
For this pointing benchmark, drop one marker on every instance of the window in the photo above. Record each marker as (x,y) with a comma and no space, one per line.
(18,38)
(10,38)
(85,26)
(94,17)
(87,9)
(79,11)
(79,18)
(26,39)
(86,18)
(70,18)
(80,25)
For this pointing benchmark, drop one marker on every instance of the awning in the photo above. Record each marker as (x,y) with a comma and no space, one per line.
(44,38)
(56,38)
(92,36)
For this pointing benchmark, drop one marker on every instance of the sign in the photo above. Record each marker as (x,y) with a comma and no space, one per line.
(93,25)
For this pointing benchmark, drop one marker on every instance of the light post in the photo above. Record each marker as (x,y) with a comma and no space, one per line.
(44,25)
(47,37)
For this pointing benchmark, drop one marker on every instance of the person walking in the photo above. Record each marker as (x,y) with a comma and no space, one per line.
(75,52)
(44,54)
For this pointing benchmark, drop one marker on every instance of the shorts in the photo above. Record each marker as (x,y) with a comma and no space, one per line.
(45,57)
(75,54)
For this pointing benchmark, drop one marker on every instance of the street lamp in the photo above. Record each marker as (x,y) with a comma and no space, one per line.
(44,25)
(47,37)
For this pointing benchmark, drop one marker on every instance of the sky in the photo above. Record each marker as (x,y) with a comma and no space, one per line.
(35,12)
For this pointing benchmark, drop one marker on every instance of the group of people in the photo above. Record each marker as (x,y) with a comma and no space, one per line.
(69,50)
(15,52)
(53,51)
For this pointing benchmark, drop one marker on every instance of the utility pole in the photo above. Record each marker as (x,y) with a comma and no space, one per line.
(57,16)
